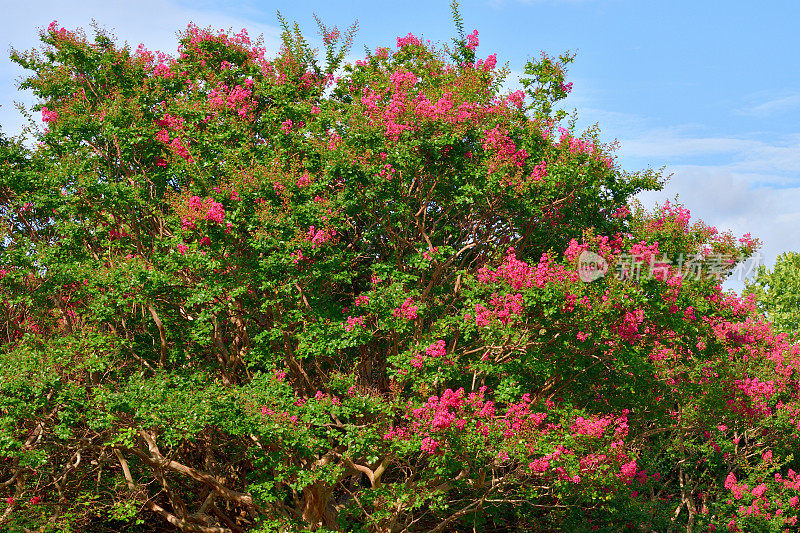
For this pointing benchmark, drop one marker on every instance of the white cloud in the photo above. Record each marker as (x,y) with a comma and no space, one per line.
(756,162)
(738,184)
(728,201)
(774,105)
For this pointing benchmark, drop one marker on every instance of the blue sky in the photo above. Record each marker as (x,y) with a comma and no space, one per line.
(708,89)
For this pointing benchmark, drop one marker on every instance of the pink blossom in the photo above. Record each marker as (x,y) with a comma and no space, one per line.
(539,465)
(297,256)
(429,445)
(621,212)
(163,71)
(539,172)
(472,40)
(407,310)
(628,471)
(428,255)
(318,237)
(408,40)
(215,212)
(352,322)
(437,349)
(49,116)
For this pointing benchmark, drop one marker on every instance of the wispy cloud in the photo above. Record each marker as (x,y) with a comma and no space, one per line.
(758,162)
(779,104)
(739,184)
(726,200)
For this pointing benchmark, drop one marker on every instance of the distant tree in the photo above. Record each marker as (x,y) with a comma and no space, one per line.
(777,293)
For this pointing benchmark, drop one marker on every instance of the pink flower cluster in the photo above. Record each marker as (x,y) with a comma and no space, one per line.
(318,237)
(176,145)
(407,310)
(629,328)
(645,253)
(621,212)
(489,64)
(519,275)
(428,255)
(206,209)
(170,122)
(49,116)
(580,146)
(516,99)
(472,40)
(408,40)
(593,426)
(505,306)
(628,471)
(352,322)
(332,36)
(180,149)
(54,29)
(297,257)
(437,349)
(539,172)
(429,445)
(237,99)
(163,70)
(402,80)
(497,141)
(387,172)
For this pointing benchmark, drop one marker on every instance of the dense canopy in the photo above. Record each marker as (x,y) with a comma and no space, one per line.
(252,293)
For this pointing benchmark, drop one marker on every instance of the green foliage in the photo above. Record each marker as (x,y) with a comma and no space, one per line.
(777,293)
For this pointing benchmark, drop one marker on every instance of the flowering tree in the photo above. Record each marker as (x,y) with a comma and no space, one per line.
(245,294)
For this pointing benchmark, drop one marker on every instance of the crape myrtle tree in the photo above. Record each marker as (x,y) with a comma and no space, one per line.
(243,293)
